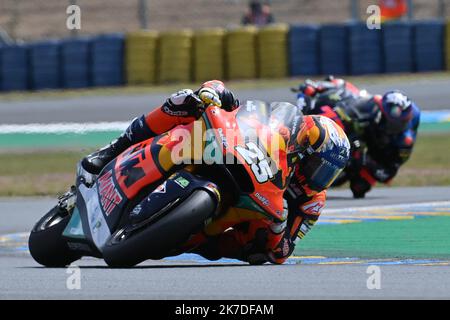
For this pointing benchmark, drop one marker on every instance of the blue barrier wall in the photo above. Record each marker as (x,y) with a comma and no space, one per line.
(365,48)
(304,50)
(14,68)
(398,47)
(75,63)
(334,49)
(339,49)
(45,65)
(107,60)
(429,45)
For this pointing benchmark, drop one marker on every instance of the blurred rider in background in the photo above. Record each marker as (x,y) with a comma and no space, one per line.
(382,128)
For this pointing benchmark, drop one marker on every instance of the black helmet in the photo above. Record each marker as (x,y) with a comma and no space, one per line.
(396,109)
(229,102)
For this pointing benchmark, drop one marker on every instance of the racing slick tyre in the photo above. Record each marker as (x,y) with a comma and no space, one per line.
(46,243)
(126,249)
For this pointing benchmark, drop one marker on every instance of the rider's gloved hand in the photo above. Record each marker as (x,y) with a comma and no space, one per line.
(308,88)
(283,250)
(254,252)
(209,97)
(184,103)
(257,253)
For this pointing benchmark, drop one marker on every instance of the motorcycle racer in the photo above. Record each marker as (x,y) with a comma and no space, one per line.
(318,152)
(382,128)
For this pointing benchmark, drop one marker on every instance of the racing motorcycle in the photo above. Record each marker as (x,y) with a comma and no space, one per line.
(125,215)
(336,103)
(330,96)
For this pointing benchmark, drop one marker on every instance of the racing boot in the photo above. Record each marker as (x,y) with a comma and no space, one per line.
(359,187)
(136,132)
(96,161)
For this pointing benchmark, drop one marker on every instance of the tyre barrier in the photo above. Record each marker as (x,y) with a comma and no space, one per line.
(429,46)
(447,44)
(272,51)
(45,65)
(365,50)
(209,54)
(107,60)
(304,50)
(75,63)
(14,68)
(398,47)
(334,52)
(175,56)
(241,53)
(140,57)
(147,57)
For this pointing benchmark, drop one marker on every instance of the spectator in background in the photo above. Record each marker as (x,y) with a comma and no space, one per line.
(258,14)
(393,9)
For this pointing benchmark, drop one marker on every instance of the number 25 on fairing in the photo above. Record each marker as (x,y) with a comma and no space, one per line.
(257,160)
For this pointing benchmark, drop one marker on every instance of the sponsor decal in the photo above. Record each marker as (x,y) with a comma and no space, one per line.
(109,195)
(313,208)
(182,182)
(136,210)
(174,113)
(263,199)
(286,248)
(161,188)
(223,138)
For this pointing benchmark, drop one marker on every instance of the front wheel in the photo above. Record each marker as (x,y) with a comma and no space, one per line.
(46,243)
(126,249)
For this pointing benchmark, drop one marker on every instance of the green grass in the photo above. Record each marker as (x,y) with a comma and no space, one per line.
(232,84)
(416,238)
(37,173)
(429,163)
(51,172)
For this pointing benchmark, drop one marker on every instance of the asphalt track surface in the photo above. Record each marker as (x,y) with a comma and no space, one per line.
(431,94)
(21,277)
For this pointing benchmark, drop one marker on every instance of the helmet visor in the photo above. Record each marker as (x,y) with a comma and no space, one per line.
(318,172)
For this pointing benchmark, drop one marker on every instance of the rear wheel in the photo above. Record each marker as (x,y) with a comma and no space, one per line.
(46,243)
(128,248)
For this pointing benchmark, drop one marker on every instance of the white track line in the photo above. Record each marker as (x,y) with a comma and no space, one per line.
(78,128)
(392,206)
